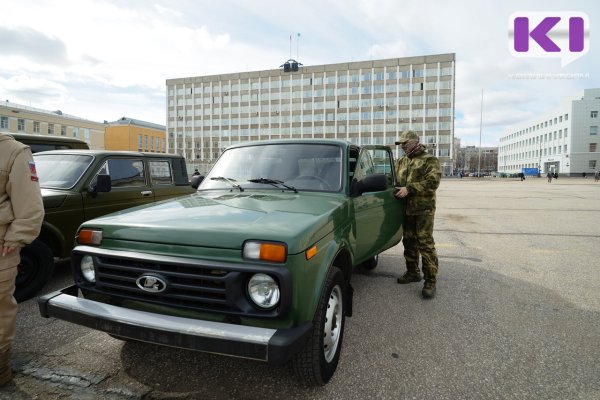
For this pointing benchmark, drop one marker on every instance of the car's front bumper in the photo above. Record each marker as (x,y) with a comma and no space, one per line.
(271,345)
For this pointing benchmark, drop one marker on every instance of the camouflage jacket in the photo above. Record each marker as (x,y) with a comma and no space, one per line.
(421,175)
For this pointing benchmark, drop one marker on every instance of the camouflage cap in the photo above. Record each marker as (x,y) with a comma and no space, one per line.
(407,135)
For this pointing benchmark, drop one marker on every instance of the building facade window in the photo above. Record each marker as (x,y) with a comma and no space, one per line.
(593,130)
(21,125)
(593,114)
(592,164)
(50,129)
(36,126)
(4,122)
(593,147)
(63,130)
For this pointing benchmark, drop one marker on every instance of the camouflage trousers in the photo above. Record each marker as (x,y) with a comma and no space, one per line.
(418,240)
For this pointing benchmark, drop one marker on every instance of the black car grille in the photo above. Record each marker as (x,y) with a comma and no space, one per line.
(190,287)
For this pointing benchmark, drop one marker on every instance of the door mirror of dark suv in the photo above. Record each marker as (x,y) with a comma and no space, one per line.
(102,185)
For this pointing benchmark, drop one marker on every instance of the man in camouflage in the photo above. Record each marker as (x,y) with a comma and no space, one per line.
(418,174)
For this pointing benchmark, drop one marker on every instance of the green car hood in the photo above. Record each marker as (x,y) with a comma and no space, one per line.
(218,220)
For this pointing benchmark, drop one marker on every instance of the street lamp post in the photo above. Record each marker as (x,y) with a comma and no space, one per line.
(540,159)
(480,129)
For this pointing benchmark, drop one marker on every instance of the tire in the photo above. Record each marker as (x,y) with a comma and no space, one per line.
(371,263)
(35,269)
(318,360)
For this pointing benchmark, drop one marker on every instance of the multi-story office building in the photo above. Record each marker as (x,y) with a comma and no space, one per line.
(135,135)
(474,159)
(366,102)
(563,140)
(15,118)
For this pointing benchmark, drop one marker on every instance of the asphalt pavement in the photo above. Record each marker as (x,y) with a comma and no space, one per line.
(516,316)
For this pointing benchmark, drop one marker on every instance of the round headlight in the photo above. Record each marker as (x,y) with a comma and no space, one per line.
(87,268)
(263,290)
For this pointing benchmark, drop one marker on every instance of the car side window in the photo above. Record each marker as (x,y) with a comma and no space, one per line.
(160,172)
(124,172)
(374,161)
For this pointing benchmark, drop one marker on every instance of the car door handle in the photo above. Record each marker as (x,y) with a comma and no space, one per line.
(146,193)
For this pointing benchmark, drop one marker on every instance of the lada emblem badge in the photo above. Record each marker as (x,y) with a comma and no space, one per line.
(151,283)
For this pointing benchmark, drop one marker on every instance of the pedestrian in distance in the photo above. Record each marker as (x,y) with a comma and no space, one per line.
(418,174)
(21,216)
(549,175)
(584,175)
(596,176)
(196,172)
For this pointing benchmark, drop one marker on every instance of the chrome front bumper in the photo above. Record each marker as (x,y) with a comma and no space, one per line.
(271,345)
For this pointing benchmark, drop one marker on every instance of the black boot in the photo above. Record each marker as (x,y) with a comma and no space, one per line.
(409,277)
(428,291)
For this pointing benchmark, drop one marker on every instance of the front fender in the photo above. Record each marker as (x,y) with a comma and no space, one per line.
(309,278)
(53,237)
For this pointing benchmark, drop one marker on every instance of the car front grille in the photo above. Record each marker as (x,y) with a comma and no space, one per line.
(191,284)
(194,287)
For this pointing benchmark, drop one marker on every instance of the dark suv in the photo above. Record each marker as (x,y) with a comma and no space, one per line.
(78,185)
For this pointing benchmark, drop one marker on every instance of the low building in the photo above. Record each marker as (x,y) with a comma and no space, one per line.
(471,159)
(563,140)
(16,118)
(135,135)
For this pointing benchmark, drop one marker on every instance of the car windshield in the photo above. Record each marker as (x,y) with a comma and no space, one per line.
(60,171)
(310,167)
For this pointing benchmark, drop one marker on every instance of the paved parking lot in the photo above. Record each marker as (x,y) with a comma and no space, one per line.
(517,316)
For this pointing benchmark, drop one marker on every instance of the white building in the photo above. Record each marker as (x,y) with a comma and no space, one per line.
(563,140)
(366,102)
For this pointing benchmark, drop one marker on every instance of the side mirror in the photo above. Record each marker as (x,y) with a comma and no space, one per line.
(103,185)
(371,183)
(196,181)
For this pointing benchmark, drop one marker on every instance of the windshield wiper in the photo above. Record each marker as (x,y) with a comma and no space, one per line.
(228,180)
(273,182)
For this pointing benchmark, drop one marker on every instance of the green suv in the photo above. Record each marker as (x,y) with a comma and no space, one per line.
(78,185)
(256,264)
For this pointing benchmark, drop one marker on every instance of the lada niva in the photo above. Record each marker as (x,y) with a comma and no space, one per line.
(256,264)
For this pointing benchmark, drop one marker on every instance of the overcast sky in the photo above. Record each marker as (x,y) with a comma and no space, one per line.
(102,60)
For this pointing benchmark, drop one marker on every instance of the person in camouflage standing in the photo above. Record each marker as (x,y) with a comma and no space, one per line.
(418,174)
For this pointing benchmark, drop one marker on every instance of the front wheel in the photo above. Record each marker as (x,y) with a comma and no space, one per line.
(318,360)
(35,269)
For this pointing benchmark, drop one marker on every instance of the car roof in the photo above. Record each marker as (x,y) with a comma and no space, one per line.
(109,152)
(44,138)
(337,142)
